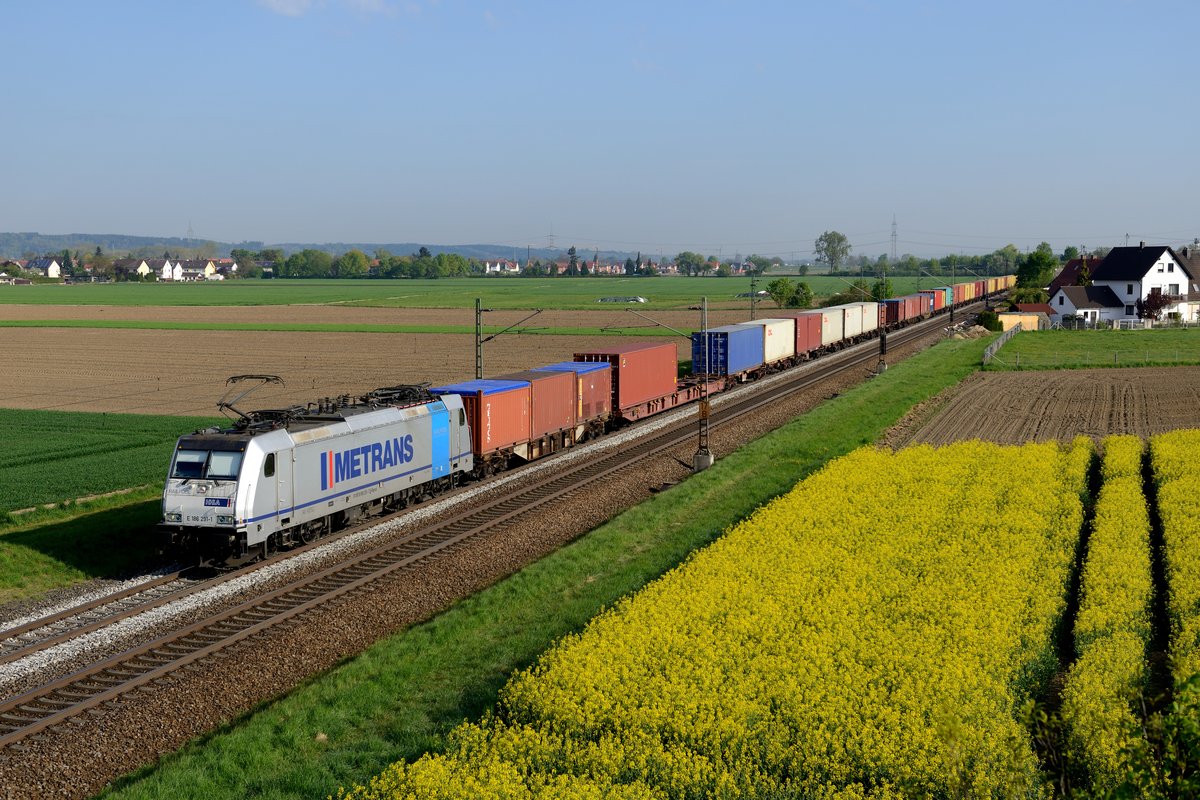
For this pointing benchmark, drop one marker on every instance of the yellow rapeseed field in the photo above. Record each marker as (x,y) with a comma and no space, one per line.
(873,633)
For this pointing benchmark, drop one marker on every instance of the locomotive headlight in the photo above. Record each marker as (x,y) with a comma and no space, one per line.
(224,519)
(174,516)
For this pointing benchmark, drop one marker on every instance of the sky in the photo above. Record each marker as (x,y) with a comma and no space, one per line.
(720,127)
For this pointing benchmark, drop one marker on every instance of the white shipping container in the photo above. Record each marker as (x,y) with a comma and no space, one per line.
(851,319)
(833,325)
(779,338)
(870,316)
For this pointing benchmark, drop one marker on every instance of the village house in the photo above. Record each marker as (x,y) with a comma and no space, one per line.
(1125,277)
(44,268)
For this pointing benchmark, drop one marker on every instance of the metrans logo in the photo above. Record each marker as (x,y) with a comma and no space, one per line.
(359,461)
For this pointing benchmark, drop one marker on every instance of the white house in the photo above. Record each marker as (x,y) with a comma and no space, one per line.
(501,267)
(1125,276)
(45,267)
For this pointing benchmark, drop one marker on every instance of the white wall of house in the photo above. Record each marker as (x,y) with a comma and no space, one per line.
(1166,276)
(1063,306)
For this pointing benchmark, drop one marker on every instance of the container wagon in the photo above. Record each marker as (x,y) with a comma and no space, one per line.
(593,395)
(779,339)
(644,378)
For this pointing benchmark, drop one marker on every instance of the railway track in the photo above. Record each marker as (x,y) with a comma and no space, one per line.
(106,681)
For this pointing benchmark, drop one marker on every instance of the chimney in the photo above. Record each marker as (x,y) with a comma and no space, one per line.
(1141,244)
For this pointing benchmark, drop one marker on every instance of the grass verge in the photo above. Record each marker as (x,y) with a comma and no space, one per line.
(400,698)
(52,548)
(1063,349)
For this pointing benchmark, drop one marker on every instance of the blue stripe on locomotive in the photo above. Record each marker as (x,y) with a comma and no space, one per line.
(439,439)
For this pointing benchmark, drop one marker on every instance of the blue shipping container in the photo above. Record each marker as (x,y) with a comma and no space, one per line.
(732,349)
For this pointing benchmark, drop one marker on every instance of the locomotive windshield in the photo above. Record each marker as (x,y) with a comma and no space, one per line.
(214,465)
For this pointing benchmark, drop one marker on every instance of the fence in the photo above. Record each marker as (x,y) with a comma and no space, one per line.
(990,352)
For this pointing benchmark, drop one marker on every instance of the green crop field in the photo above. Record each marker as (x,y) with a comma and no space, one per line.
(54,456)
(1063,349)
(549,293)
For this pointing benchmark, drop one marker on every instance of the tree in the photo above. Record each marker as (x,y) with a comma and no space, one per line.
(759,264)
(1038,268)
(689,262)
(724,271)
(630,267)
(1070,253)
(572,261)
(68,266)
(881,289)
(802,297)
(832,248)
(781,290)
(351,264)
(1028,294)
(424,252)
(101,264)
(1153,306)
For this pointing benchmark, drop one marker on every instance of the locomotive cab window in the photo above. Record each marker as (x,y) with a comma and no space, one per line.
(269,466)
(214,465)
(462,417)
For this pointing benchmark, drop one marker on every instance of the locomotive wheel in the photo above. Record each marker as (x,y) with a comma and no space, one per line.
(305,534)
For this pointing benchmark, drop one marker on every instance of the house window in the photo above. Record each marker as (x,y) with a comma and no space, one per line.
(1173,288)
(1171,267)
(1160,267)
(1128,310)
(1060,299)
(1129,288)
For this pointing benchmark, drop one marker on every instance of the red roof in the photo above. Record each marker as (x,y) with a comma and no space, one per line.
(1035,308)
(1069,275)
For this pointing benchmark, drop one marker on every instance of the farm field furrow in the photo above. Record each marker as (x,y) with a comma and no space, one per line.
(1017,407)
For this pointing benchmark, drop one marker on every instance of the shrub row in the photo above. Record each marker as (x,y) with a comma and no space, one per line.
(1177,480)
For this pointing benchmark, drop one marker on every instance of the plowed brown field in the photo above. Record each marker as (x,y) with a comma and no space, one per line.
(1018,407)
(183,372)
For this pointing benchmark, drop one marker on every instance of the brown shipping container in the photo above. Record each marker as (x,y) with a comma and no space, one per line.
(641,371)
(552,400)
(593,388)
(499,417)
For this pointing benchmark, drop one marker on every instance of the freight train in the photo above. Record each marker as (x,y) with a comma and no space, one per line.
(281,477)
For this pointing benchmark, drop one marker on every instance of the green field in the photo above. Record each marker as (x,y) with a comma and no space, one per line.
(404,695)
(1062,349)
(53,456)
(509,292)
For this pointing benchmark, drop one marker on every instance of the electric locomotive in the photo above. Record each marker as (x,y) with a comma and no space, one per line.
(282,477)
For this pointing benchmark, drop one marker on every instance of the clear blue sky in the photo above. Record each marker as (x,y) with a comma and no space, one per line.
(736,127)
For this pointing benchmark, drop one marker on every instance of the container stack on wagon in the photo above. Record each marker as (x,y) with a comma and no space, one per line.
(644,377)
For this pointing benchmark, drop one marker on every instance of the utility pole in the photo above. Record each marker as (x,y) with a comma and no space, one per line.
(704,457)
(753,293)
(478,340)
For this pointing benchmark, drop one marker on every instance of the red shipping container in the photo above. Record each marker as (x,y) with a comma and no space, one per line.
(939,299)
(593,388)
(641,371)
(497,412)
(808,329)
(960,293)
(980,289)
(552,400)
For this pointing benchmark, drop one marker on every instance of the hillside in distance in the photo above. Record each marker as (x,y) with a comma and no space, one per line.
(30,244)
